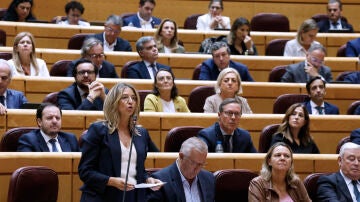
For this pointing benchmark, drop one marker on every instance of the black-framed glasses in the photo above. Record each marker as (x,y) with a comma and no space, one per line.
(231,114)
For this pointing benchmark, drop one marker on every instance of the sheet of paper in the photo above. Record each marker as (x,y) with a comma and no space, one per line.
(145,185)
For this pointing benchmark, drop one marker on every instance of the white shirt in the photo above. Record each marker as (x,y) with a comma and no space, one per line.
(145,24)
(80,23)
(338,26)
(314,111)
(149,68)
(192,193)
(43,70)
(350,186)
(124,163)
(203,22)
(168,107)
(107,46)
(47,138)
(294,49)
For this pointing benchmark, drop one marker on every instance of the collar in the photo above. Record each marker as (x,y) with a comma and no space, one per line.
(347,180)
(111,46)
(47,138)
(224,133)
(147,64)
(142,21)
(183,179)
(313,105)
(80,91)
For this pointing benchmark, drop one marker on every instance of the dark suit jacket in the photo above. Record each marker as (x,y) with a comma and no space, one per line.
(101,159)
(14,99)
(353,48)
(357,111)
(241,139)
(70,99)
(121,44)
(135,21)
(173,190)
(34,142)
(140,71)
(107,70)
(295,73)
(324,26)
(329,108)
(333,188)
(209,70)
(353,77)
(355,136)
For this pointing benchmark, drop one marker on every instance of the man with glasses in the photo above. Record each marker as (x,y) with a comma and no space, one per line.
(93,50)
(185,179)
(143,18)
(313,66)
(110,37)
(233,139)
(334,21)
(85,93)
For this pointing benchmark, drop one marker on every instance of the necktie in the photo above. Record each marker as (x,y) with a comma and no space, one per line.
(2,100)
(320,110)
(227,143)
(335,25)
(356,191)
(153,68)
(53,145)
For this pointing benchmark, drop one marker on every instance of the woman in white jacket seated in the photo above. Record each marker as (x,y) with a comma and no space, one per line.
(213,20)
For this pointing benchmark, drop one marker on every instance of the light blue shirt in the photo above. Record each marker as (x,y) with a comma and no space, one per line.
(192,193)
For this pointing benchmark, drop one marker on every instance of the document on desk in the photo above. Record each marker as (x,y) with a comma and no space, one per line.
(145,185)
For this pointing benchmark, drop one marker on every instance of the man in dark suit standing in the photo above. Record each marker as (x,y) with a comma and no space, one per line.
(110,37)
(343,185)
(48,138)
(316,89)
(233,139)
(334,9)
(9,99)
(185,179)
(85,93)
(93,50)
(143,18)
(147,68)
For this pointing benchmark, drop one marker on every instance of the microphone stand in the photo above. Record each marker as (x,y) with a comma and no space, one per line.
(133,132)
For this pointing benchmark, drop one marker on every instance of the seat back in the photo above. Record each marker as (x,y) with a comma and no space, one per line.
(5,55)
(352,107)
(2,37)
(342,75)
(191,21)
(126,67)
(341,52)
(198,96)
(341,143)
(62,18)
(9,141)
(311,185)
(271,22)
(51,98)
(232,184)
(276,47)
(283,102)
(266,136)
(59,68)
(196,73)
(176,136)
(2,12)
(33,184)
(143,94)
(126,15)
(318,17)
(76,41)
(276,73)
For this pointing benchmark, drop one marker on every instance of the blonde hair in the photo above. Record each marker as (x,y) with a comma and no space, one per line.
(222,75)
(15,53)
(306,26)
(158,38)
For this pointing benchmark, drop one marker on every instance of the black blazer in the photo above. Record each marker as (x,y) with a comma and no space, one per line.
(333,188)
(324,26)
(121,44)
(140,71)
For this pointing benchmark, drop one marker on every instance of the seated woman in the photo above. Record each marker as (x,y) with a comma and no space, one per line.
(239,40)
(167,38)
(228,85)
(19,11)
(213,20)
(295,130)
(24,61)
(165,95)
(305,38)
(74,10)
(277,180)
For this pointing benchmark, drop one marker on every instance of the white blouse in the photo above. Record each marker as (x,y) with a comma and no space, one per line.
(43,70)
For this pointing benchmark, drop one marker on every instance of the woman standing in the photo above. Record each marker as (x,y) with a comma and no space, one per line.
(213,20)
(167,38)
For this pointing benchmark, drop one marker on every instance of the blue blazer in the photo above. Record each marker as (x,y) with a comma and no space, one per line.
(329,108)
(357,111)
(70,99)
(121,44)
(333,188)
(353,77)
(355,136)
(324,26)
(135,21)
(140,71)
(209,70)
(107,70)
(295,73)
(34,142)
(14,99)
(353,48)
(241,140)
(101,159)
(173,190)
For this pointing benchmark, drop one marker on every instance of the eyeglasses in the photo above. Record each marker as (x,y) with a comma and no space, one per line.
(215,7)
(95,56)
(196,164)
(83,72)
(231,114)
(316,61)
(127,98)
(109,29)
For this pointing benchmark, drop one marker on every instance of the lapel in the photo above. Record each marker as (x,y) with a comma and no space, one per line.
(343,189)
(144,71)
(114,145)
(77,95)
(136,21)
(64,144)
(202,187)
(308,107)
(177,184)
(41,142)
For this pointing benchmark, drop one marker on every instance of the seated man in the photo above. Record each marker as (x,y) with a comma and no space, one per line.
(93,50)
(210,69)
(143,18)
(313,66)
(109,37)
(233,139)
(9,99)
(48,138)
(354,77)
(343,185)
(316,89)
(74,11)
(353,48)
(147,68)
(186,180)
(334,9)
(85,93)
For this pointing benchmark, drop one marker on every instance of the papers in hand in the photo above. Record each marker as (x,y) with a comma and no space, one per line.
(145,185)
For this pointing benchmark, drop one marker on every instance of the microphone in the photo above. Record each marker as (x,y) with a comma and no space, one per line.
(133,132)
